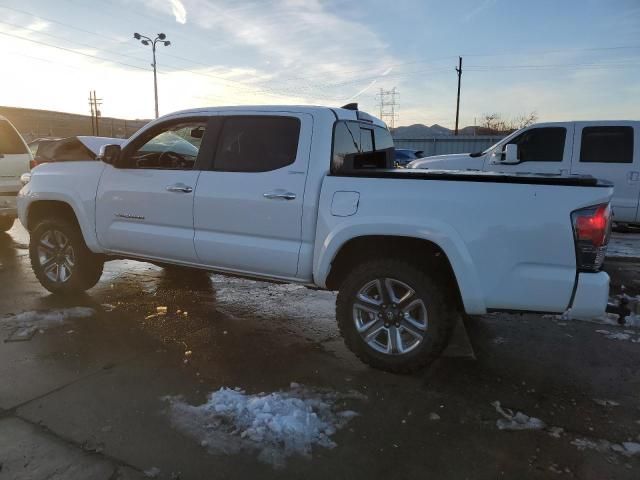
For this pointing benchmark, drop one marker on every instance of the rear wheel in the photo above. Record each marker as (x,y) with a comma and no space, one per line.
(6,223)
(393,316)
(60,258)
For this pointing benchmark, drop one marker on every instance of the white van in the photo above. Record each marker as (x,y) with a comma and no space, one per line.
(15,160)
(603,149)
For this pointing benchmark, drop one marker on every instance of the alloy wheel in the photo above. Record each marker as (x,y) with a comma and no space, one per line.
(56,256)
(389,316)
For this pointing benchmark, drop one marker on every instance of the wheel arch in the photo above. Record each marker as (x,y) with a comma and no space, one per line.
(446,257)
(39,210)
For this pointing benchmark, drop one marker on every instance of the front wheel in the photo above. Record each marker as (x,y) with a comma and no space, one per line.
(393,316)
(6,223)
(61,260)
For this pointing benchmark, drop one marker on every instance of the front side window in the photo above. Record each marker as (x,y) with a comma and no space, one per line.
(174,148)
(360,145)
(257,144)
(10,141)
(607,145)
(545,144)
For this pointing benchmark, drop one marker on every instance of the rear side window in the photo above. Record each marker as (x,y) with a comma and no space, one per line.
(545,144)
(10,141)
(357,145)
(257,144)
(607,145)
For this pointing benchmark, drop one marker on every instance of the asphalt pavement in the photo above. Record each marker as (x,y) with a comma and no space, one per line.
(117,384)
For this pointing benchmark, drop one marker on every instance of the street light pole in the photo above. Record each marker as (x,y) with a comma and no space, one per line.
(147,41)
(155,77)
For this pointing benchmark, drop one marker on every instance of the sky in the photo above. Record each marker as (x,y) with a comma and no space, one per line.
(563,60)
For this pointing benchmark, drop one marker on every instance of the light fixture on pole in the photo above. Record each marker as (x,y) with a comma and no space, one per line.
(161,38)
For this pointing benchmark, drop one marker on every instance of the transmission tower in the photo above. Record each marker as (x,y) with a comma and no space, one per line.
(388,104)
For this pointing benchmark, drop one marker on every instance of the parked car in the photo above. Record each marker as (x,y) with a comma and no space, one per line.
(14,162)
(604,149)
(258,198)
(406,155)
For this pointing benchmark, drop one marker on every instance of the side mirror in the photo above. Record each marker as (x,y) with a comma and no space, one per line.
(109,154)
(510,154)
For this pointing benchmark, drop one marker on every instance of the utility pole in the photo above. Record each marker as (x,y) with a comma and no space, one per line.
(459,72)
(93,125)
(388,107)
(94,104)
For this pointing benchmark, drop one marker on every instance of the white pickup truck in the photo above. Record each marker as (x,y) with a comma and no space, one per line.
(601,148)
(301,194)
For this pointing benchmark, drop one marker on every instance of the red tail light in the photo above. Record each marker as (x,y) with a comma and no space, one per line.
(33,163)
(591,229)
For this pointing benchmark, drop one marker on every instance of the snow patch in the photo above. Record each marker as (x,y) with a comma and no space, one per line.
(48,318)
(517,421)
(628,449)
(25,324)
(603,402)
(618,336)
(275,425)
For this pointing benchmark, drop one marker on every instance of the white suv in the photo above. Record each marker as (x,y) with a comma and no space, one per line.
(15,160)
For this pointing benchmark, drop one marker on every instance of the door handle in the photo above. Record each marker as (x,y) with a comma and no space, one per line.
(179,188)
(280,195)
(634,176)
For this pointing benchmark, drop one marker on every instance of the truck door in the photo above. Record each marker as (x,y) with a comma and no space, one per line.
(606,151)
(145,203)
(542,149)
(248,206)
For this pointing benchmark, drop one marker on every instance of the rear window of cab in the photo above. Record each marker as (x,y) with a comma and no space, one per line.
(361,145)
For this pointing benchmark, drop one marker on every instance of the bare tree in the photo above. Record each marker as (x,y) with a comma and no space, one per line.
(495,123)
(525,120)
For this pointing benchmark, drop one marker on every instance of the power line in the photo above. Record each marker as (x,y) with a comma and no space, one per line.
(58,37)
(70,50)
(97,57)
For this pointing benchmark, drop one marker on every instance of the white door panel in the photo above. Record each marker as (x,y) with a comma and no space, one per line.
(252,221)
(624,175)
(136,212)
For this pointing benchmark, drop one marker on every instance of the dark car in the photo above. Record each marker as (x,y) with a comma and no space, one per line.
(406,155)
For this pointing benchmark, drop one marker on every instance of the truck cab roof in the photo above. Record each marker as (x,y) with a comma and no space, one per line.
(338,112)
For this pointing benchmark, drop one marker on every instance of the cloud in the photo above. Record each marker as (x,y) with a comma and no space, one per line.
(368,87)
(480,8)
(179,11)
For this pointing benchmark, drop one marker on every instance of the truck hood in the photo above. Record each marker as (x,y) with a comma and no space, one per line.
(457,161)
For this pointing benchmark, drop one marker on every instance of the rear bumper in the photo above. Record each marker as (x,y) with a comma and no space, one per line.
(592,295)
(8,206)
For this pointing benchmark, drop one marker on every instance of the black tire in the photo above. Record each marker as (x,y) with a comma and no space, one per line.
(440,316)
(6,223)
(84,271)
